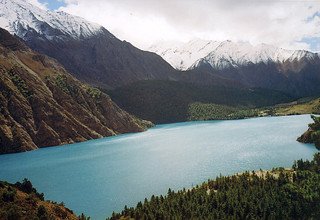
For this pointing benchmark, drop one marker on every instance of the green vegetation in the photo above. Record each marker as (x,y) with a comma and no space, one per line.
(68,87)
(313,133)
(26,186)
(201,111)
(20,83)
(278,194)
(62,82)
(301,106)
(94,92)
(169,101)
(209,111)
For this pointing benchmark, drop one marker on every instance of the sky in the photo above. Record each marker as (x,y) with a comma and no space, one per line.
(291,24)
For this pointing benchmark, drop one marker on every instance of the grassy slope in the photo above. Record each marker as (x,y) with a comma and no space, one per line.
(209,111)
(300,107)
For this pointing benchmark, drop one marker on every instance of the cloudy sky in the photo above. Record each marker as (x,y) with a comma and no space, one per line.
(293,24)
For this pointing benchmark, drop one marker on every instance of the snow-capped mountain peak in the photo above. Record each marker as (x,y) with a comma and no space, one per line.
(18,17)
(231,54)
(181,56)
(225,54)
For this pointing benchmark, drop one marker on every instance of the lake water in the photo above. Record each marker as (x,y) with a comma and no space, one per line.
(97,177)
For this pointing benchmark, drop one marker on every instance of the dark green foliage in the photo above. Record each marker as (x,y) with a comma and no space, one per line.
(20,83)
(26,186)
(201,111)
(13,213)
(83,217)
(316,125)
(169,101)
(62,82)
(281,194)
(8,195)
(42,213)
(313,133)
(94,92)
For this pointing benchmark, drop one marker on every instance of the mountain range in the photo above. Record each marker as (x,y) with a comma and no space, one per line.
(67,57)
(291,71)
(225,54)
(94,55)
(87,50)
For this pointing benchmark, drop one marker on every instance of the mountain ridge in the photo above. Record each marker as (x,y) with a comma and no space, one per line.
(21,16)
(88,51)
(224,54)
(43,105)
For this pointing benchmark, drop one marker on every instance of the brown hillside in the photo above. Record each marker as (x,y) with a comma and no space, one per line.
(42,105)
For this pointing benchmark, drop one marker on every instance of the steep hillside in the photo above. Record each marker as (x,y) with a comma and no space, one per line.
(94,55)
(295,72)
(167,101)
(22,201)
(87,50)
(42,105)
(302,80)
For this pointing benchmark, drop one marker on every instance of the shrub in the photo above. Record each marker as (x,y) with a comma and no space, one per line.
(62,82)
(25,186)
(8,195)
(94,92)
(20,84)
(13,213)
(42,212)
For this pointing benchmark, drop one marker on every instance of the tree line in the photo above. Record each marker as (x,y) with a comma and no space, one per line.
(276,194)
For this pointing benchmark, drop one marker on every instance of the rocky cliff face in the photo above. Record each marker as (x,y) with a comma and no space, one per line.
(42,105)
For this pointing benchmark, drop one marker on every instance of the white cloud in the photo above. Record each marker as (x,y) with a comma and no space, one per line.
(142,22)
(38,4)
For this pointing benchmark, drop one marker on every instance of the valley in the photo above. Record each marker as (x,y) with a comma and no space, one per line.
(105,105)
(123,170)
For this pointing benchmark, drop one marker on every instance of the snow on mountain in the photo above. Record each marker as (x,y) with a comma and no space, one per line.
(19,17)
(230,54)
(181,56)
(224,54)
(300,54)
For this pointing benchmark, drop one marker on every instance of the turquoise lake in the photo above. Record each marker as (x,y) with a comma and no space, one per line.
(101,176)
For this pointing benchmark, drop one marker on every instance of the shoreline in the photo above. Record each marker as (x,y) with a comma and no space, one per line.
(154,126)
